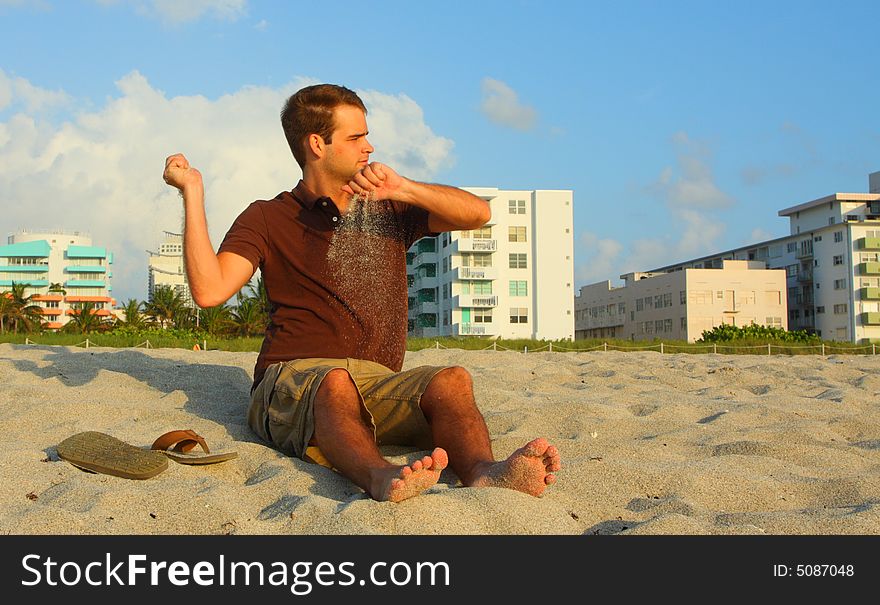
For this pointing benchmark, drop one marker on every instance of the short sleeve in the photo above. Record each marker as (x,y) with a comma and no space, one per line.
(248,236)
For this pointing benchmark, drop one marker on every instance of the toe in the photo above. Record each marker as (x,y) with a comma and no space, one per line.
(536,447)
(553,465)
(416,466)
(440,458)
(550,479)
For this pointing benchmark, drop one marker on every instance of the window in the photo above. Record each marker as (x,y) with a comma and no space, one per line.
(667,299)
(519,315)
(482,233)
(482,316)
(838,236)
(445,318)
(774,322)
(481,287)
(516,206)
(818,238)
(445,291)
(684,323)
(838,259)
(840,309)
(682,297)
(445,264)
(640,304)
(820,310)
(518,261)
(621,308)
(831,220)
(518,288)
(649,302)
(482,260)
(658,301)
(516,234)
(791,247)
(840,284)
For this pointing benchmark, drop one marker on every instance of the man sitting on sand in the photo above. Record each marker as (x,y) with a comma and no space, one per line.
(328,385)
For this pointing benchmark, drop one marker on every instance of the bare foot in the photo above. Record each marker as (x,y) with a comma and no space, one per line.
(401,482)
(529,469)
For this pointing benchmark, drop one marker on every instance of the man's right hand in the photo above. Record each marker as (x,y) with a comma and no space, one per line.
(178,173)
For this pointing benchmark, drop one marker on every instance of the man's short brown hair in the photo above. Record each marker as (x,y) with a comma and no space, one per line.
(310,111)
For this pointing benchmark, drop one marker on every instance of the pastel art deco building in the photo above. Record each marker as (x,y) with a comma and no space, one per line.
(63,270)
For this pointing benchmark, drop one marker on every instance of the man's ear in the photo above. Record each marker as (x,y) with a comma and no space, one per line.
(316,145)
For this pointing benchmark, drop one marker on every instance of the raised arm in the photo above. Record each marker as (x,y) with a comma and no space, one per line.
(213,278)
(449,208)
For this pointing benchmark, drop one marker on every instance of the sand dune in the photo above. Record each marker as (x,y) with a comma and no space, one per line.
(651,444)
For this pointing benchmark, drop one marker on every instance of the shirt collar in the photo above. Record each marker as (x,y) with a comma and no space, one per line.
(307,197)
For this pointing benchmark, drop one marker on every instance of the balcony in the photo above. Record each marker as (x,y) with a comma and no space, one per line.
(422,282)
(475,273)
(870,293)
(475,300)
(425,258)
(869,268)
(24,268)
(470,329)
(871,318)
(805,251)
(805,276)
(471,244)
(425,307)
(85,269)
(868,243)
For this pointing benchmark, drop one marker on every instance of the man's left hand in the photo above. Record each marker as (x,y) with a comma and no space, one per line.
(377,181)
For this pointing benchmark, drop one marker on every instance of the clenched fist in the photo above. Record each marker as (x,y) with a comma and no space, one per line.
(178,173)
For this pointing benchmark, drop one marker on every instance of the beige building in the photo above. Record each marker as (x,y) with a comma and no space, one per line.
(831,258)
(511,278)
(682,304)
(166,268)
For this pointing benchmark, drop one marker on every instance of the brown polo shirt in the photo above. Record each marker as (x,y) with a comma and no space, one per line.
(336,282)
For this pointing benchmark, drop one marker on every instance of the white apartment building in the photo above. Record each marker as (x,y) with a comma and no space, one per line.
(63,270)
(165,268)
(512,278)
(680,305)
(832,262)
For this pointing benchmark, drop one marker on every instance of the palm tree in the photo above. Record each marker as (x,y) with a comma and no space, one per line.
(57,288)
(215,320)
(132,312)
(21,311)
(166,306)
(248,317)
(258,292)
(85,319)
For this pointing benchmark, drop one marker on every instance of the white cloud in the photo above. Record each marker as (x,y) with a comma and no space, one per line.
(17,92)
(694,186)
(691,198)
(501,105)
(760,235)
(102,171)
(175,12)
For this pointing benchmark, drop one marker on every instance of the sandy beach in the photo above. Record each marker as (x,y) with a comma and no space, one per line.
(650,443)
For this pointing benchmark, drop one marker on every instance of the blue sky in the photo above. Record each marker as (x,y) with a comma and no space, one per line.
(681,127)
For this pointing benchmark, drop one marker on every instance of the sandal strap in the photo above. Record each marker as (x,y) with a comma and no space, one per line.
(180,441)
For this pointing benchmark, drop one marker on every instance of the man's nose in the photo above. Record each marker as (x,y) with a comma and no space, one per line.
(369,148)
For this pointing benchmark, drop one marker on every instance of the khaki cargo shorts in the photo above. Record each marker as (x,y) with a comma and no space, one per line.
(282,405)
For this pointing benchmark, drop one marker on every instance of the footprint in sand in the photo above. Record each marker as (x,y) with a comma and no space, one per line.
(642,409)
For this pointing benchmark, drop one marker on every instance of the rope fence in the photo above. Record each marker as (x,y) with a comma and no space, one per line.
(768,349)
(820,349)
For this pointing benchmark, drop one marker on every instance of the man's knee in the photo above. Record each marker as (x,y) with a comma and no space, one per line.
(451,379)
(337,382)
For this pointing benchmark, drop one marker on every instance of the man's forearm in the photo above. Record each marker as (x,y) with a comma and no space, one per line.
(202,267)
(458,209)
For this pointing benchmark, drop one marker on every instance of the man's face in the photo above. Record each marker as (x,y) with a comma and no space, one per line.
(349,151)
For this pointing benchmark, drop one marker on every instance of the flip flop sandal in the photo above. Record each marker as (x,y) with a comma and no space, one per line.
(101,453)
(177,445)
